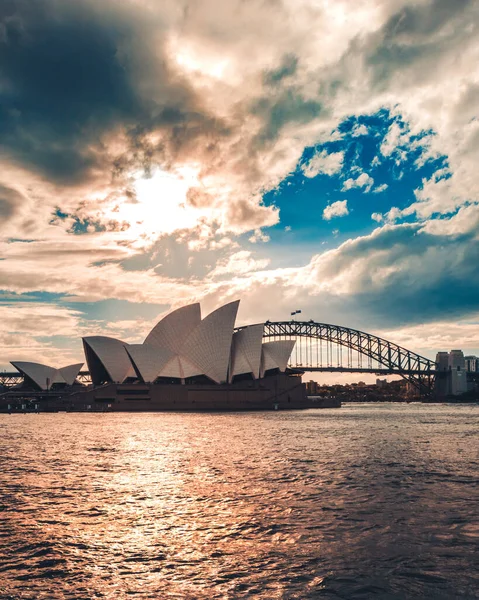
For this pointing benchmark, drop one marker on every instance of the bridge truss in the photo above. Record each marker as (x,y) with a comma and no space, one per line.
(325,347)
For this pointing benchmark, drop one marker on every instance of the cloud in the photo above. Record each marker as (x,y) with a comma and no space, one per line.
(30,330)
(10,201)
(89,94)
(362,181)
(440,335)
(286,69)
(336,209)
(400,275)
(258,236)
(324,163)
(82,270)
(393,139)
(359,130)
(381,188)
(238,263)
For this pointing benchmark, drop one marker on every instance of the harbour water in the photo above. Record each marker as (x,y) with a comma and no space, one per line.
(366,501)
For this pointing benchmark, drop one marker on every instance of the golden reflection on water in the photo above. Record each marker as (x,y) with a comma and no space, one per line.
(365,501)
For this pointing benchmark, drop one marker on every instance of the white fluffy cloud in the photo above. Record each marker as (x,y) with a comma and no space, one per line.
(238,263)
(336,209)
(362,181)
(381,188)
(324,163)
(359,130)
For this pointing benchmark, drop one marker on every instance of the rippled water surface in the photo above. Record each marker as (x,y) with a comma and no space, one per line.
(366,501)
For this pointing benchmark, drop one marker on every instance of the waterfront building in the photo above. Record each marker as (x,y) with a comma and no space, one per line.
(184,348)
(186,362)
(312,387)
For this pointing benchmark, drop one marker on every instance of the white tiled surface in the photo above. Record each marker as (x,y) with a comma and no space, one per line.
(209,345)
(246,350)
(111,353)
(149,359)
(70,372)
(39,373)
(172,331)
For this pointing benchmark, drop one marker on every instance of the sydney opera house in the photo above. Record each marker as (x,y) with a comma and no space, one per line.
(185,363)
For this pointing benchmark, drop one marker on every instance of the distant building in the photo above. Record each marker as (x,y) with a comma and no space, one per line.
(452,368)
(442,361)
(472,364)
(381,383)
(457,366)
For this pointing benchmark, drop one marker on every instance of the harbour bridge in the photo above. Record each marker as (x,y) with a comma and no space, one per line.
(332,348)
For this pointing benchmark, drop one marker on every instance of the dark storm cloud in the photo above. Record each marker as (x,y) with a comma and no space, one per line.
(451,293)
(287,107)
(74,74)
(69,75)
(62,87)
(288,67)
(184,131)
(404,275)
(416,35)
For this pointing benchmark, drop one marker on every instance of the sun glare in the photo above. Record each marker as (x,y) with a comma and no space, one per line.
(161,205)
(197,59)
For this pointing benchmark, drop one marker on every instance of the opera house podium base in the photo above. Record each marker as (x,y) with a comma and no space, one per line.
(275,392)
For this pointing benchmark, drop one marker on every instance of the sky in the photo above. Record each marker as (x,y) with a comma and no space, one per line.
(297,154)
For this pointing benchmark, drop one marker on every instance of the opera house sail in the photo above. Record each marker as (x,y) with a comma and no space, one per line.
(43,377)
(246,351)
(107,359)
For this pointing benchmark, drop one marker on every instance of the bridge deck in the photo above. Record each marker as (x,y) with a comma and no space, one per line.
(377,371)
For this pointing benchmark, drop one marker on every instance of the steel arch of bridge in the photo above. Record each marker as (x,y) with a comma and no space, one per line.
(389,357)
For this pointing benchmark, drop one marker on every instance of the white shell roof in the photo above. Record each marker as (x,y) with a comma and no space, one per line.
(149,360)
(246,351)
(182,345)
(172,331)
(275,355)
(44,376)
(70,372)
(267,362)
(173,368)
(180,367)
(111,353)
(209,345)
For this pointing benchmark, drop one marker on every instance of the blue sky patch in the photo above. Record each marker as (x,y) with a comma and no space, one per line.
(392,172)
